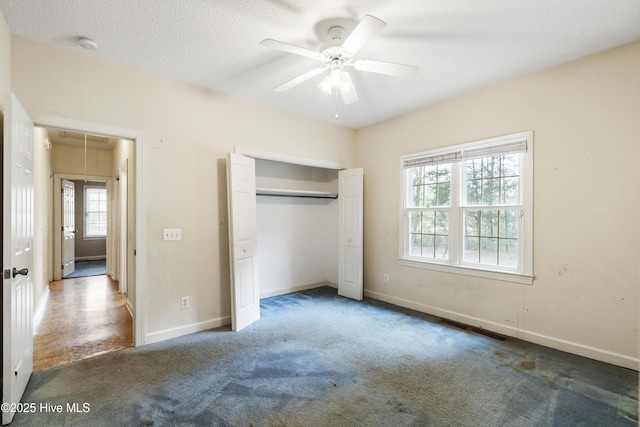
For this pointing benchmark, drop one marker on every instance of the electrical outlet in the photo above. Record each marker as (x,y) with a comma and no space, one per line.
(184,303)
(385,278)
(171,234)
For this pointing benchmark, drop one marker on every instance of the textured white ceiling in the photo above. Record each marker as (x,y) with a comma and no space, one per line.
(459,45)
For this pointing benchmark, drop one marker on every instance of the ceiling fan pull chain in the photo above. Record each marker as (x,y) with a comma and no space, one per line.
(336,98)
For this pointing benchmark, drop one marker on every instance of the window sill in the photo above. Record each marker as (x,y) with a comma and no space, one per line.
(523,279)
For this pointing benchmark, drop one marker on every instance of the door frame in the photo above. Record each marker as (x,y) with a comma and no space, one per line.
(57,215)
(121,212)
(140,242)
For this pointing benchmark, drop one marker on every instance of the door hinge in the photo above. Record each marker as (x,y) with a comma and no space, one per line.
(7,274)
(135,252)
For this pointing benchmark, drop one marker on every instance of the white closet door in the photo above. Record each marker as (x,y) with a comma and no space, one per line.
(241,199)
(350,197)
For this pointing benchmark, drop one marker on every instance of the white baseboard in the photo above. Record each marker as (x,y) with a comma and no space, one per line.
(284,291)
(582,350)
(222,321)
(187,329)
(41,307)
(130,307)
(536,338)
(90,258)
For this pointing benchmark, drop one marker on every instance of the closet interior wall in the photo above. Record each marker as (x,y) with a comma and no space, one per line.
(297,235)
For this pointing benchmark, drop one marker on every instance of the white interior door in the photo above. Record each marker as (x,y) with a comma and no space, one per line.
(17,255)
(350,239)
(241,200)
(68,227)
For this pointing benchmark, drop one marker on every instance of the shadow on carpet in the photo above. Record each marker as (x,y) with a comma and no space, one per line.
(317,359)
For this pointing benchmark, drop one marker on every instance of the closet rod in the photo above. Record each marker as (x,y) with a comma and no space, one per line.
(302,196)
(272,192)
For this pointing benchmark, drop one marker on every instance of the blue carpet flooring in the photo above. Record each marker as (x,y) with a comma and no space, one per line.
(317,359)
(96,267)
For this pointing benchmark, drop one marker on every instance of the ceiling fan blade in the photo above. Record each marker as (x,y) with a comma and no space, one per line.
(387,68)
(286,47)
(300,79)
(367,28)
(350,96)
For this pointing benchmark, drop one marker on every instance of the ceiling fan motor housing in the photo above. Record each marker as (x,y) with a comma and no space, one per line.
(332,50)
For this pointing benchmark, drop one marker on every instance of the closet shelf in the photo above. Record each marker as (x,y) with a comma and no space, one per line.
(280,192)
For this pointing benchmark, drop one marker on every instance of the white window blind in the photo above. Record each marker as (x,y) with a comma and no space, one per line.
(433,159)
(496,149)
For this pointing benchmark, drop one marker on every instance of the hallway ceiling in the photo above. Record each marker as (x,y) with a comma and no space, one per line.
(459,45)
(77,139)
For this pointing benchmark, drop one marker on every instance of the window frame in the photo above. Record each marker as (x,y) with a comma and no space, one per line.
(455,264)
(86,211)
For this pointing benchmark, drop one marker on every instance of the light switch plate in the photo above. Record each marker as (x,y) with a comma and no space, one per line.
(171,234)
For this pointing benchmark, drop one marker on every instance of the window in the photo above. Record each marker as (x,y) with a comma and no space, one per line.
(95,212)
(468,208)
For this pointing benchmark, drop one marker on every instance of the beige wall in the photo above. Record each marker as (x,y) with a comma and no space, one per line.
(586,202)
(187,131)
(584,115)
(5,62)
(42,219)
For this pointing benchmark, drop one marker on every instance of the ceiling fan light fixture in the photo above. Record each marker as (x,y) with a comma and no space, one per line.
(336,79)
(347,86)
(325,85)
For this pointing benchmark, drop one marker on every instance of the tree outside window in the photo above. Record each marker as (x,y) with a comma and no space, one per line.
(95,212)
(469,206)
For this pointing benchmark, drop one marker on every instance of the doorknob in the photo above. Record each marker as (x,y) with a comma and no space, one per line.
(24,271)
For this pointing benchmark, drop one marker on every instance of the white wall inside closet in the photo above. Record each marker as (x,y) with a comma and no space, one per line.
(297,236)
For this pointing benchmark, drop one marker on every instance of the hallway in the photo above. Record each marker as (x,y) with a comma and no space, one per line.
(83,317)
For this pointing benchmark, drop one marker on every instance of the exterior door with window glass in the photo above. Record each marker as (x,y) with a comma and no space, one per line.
(68,227)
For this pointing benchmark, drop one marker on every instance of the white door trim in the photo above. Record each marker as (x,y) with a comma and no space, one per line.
(123,225)
(286,158)
(48,120)
(57,214)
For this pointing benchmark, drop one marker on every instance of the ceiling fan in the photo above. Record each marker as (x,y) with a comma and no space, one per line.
(337,54)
